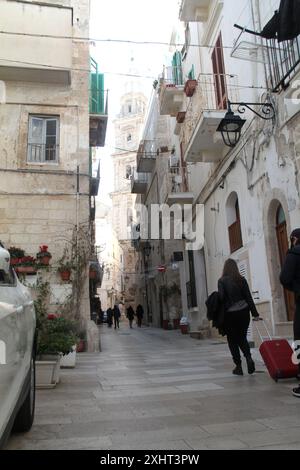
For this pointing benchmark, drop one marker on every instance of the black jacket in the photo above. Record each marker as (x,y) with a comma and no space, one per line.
(130,313)
(290,274)
(231,293)
(285,24)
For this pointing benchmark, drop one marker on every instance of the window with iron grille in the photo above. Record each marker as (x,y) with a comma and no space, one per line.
(43,139)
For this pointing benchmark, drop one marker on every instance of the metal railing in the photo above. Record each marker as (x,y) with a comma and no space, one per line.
(283,61)
(147,149)
(172,76)
(42,153)
(207,98)
(177,180)
(139,178)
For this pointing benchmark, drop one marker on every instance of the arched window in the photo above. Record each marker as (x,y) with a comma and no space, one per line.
(234,223)
(129,138)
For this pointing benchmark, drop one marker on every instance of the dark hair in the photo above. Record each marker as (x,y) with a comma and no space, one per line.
(231,270)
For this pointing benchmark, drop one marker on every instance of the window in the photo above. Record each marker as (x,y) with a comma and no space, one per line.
(43,139)
(129,138)
(219,74)
(128,172)
(234,223)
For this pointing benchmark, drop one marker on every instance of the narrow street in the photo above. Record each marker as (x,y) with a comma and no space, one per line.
(154,389)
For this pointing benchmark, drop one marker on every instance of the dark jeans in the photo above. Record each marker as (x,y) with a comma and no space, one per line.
(236,325)
(117,322)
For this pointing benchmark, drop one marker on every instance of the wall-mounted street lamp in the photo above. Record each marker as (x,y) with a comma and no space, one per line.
(232,124)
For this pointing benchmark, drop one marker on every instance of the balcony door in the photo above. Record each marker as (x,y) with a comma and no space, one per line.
(218,65)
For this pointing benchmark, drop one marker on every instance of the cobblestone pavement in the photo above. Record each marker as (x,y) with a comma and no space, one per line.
(154,389)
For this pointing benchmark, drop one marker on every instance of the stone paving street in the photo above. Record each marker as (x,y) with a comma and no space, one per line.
(154,389)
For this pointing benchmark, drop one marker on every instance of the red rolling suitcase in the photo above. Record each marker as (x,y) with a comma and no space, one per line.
(278,357)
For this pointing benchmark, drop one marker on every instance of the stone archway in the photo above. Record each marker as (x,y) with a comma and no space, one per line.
(272,204)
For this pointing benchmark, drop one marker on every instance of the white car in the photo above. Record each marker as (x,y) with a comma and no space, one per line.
(17,352)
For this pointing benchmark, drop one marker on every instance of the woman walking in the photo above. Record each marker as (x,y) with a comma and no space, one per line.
(238,303)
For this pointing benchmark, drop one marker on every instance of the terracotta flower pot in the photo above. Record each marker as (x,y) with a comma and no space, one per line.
(190,88)
(180,117)
(184,329)
(65,275)
(80,348)
(44,260)
(26,270)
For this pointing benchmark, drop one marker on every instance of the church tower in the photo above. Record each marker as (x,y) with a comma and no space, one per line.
(128,127)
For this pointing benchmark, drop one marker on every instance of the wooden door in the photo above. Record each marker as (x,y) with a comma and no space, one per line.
(283,246)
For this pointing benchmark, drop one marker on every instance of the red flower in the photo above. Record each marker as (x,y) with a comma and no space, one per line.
(52,316)
(43,248)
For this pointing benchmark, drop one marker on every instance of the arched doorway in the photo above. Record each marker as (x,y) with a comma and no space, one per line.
(234,223)
(283,246)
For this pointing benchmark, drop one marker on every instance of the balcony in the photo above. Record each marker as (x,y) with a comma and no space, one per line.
(194,10)
(177,187)
(27,54)
(201,141)
(171,91)
(146,156)
(282,59)
(94,183)
(139,183)
(98,107)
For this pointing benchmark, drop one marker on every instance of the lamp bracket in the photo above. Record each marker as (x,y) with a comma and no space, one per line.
(267,110)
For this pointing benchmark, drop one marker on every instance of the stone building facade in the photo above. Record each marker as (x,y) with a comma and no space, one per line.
(48,125)
(250,192)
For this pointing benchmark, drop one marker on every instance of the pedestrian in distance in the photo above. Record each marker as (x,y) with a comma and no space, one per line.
(109,317)
(139,315)
(237,300)
(117,316)
(130,315)
(290,279)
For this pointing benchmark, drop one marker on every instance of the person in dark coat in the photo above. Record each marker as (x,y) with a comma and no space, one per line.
(290,279)
(139,315)
(109,317)
(130,315)
(238,303)
(117,316)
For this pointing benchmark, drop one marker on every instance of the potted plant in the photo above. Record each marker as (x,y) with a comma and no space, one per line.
(26,265)
(56,338)
(44,256)
(81,344)
(190,87)
(181,117)
(15,255)
(65,266)
(65,270)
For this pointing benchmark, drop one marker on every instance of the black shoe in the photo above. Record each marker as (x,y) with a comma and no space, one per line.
(296,392)
(250,365)
(238,370)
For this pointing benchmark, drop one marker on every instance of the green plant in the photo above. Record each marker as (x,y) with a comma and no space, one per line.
(56,336)
(65,263)
(41,301)
(16,252)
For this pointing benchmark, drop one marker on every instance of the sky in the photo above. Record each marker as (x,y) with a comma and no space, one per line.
(129,20)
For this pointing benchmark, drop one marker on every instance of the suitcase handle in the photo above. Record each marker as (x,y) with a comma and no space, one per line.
(266,328)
